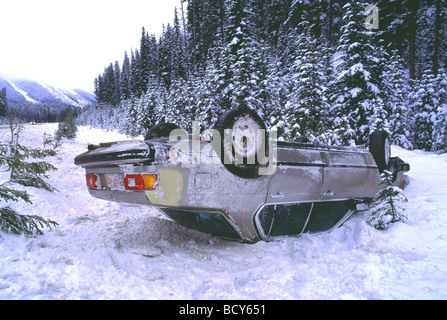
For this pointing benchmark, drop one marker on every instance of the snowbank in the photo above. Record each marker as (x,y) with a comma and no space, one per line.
(104,250)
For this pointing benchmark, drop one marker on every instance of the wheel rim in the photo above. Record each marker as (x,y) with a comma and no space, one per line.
(245,138)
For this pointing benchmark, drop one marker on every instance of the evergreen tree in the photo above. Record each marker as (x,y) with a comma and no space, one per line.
(3,102)
(423,106)
(15,169)
(131,128)
(209,89)
(182,103)
(67,128)
(116,98)
(206,26)
(387,206)
(145,62)
(28,174)
(357,77)
(108,86)
(178,54)
(440,122)
(148,60)
(396,91)
(166,55)
(99,89)
(379,119)
(307,106)
(135,74)
(126,78)
(241,59)
(160,98)
(145,111)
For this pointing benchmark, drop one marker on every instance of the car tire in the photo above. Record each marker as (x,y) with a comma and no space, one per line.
(241,151)
(161,130)
(380,148)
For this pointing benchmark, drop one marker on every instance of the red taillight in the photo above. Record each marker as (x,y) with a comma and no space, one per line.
(141,181)
(93,181)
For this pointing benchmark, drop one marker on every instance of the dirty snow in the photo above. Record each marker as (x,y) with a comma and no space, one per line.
(105,250)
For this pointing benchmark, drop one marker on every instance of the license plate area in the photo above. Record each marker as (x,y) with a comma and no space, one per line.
(114,181)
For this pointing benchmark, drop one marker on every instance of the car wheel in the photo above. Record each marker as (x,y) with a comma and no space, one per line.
(380,148)
(242,144)
(161,130)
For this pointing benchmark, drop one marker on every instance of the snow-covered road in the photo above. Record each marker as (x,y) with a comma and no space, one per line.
(105,250)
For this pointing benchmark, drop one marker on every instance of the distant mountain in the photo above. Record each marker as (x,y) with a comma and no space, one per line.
(35,92)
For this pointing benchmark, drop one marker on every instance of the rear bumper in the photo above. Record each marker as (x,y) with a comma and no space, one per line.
(132,197)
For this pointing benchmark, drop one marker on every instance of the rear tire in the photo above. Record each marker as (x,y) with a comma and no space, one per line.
(380,148)
(240,153)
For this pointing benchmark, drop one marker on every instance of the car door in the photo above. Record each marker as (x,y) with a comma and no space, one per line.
(346,174)
(299,176)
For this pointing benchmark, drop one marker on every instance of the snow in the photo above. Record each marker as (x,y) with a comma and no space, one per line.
(106,250)
(22,92)
(68,96)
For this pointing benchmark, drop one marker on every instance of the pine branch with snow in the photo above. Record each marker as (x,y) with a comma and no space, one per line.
(12,222)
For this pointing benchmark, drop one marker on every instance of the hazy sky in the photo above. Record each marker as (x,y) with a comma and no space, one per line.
(68,43)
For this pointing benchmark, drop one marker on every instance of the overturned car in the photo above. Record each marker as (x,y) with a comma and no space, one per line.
(237,181)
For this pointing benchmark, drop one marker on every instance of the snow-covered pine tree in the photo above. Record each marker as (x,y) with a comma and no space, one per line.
(135,73)
(166,55)
(109,85)
(387,206)
(67,128)
(178,107)
(146,111)
(126,78)
(145,70)
(179,66)
(28,174)
(240,58)
(307,105)
(117,88)
(357,76)
(98,89)
(130,105)
(396,90)
(379,118)
(14,168)
(423,104)
(440,123)
(209,95)
(278,89)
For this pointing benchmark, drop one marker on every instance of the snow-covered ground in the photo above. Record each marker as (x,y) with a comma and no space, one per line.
(105,250)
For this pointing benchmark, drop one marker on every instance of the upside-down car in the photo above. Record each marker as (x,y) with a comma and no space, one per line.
(237,181)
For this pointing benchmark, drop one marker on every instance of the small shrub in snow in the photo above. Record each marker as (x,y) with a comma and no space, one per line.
(67,128)
(387,206)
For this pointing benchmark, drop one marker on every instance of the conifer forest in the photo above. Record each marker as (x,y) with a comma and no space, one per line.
(323,71)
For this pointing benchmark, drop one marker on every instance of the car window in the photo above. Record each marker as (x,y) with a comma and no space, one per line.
(283,219)
(327,215)
(211,222)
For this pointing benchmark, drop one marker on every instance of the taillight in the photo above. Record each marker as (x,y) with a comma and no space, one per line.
(141,181)
(405,167)
(93,181)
